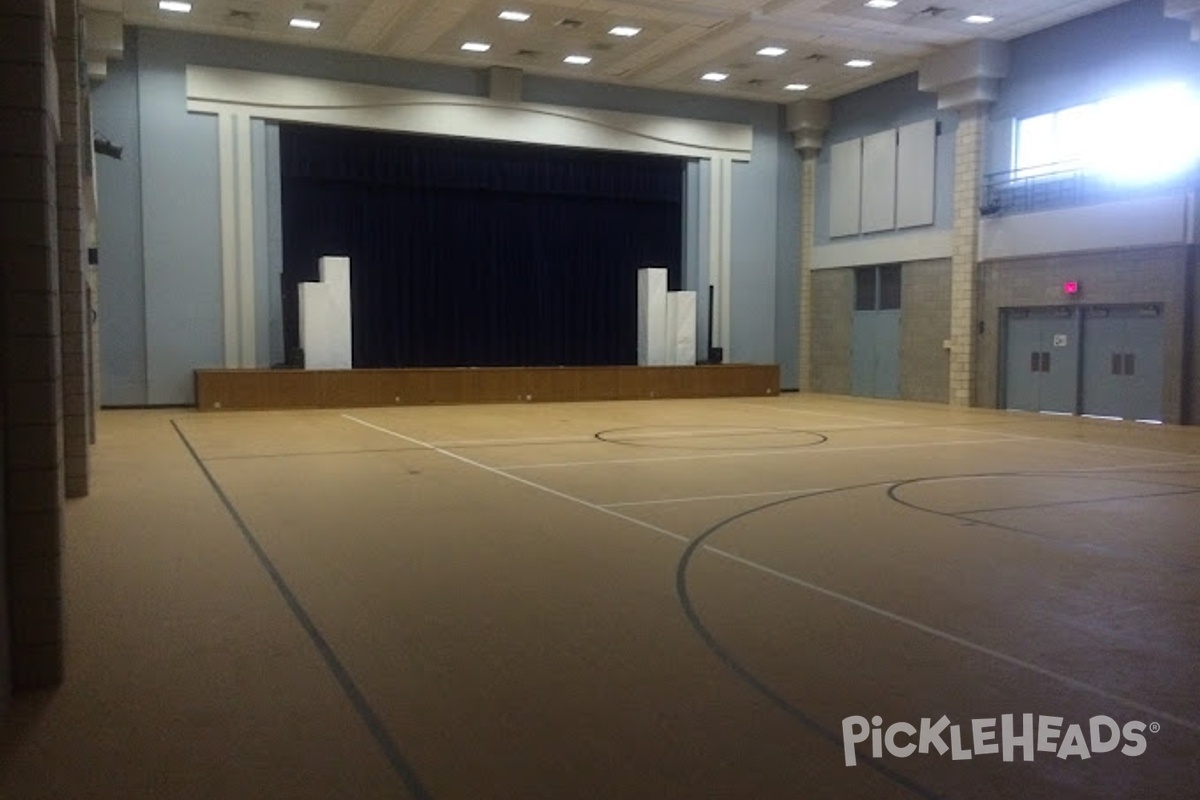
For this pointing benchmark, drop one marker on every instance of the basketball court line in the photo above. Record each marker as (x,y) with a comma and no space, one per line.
(310,453)
(518,479)
(699,499)
(753,453)
(898,424)
(747,495)
(1066,680)
(815,588)
(578,438)
(370,719)
(876,420)
(591,437)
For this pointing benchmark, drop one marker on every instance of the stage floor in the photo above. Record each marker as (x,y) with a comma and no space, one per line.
(259,389)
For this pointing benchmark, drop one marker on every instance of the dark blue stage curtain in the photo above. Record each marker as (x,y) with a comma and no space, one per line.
(470,253)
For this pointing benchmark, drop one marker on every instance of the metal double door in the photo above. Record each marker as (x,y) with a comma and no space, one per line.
(1102,361)
(1041,369)
(1123,362)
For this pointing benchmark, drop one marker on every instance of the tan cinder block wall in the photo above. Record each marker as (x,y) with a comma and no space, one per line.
(924,327)
(72,251)
(969,147)
(1144,275)
(30,342)
(832,317)
(808,201)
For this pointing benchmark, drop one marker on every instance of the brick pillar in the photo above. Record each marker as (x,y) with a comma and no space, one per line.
(30,346)
(967,80)
(968,177)
(807,120)
(808,224)
(72,252)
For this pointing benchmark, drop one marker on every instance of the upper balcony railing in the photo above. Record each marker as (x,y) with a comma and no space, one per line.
(1063,185)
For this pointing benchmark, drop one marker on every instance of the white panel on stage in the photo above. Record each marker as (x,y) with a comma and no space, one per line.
(325,324)
(681,328)
(652,316)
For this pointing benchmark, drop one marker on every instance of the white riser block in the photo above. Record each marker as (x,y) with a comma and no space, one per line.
(652,316)
(325,322)
(681,328)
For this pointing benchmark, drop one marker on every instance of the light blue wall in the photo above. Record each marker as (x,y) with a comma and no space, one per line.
(754,246)
(164,281)
(181,228)
(1088,59)
(122,292)
(888,105)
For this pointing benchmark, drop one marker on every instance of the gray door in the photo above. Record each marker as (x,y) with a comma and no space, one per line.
(875,354)
(1123,362)
(1041,360)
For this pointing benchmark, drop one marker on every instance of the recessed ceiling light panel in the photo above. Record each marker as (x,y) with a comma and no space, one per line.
(882,3)
(578,60)
(625,30)
(797,87)
(715,77)
(859,63)
(979,19)
(305,24)
(476,47)
(514,16)
(772,52)
(174,5)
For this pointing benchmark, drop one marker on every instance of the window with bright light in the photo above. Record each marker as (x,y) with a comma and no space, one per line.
(1143,136)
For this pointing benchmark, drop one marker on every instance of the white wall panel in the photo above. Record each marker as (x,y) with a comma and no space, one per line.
(915,173)
(879,182)
(845,190)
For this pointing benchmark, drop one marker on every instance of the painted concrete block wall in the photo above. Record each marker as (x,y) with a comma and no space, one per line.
(1148,275)
(833,301)
(165,265)
(924,326)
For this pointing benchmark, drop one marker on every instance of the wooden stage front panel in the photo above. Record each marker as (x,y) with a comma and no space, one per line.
(258,389)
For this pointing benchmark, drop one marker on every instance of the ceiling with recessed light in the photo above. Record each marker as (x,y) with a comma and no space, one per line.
(660,44)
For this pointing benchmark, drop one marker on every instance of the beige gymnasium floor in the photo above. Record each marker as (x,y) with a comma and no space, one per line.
(664,599)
